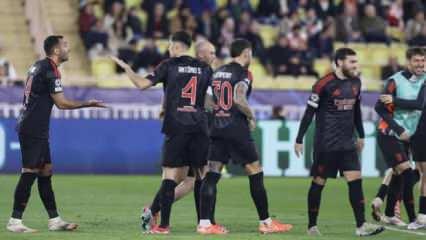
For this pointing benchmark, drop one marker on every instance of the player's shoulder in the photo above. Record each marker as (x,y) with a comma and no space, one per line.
(321,83)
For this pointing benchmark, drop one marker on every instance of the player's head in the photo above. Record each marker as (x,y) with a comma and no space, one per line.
(180,42)
(205,51)
(241,50)
(346,61)
(56,46)
(416,60)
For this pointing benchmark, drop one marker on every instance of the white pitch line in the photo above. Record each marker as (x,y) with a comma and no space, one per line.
(405,231)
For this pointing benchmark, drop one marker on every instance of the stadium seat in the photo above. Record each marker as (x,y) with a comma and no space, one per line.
(399,50)
(102,67)
(370,72)
(221,3)
(162,45)
(268,34)
(322,66)
(379,53)
(305,83)
(254,3)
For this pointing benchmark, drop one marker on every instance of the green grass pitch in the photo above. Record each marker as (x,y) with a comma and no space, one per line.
(108,207)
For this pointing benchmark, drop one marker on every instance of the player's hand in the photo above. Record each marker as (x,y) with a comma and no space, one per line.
(161,115)
(404,136)
(360,144)
(252,124)
(95,103)
(298,149)
(120,63)
(386,98)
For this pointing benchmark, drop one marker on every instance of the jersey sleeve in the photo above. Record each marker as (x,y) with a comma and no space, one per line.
(54,82)
(417,104)
(159,74)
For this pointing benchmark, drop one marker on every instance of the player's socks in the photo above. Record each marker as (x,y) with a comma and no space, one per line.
(383,190)
(208,195)
(212,219)
(314,201)
(205,222)
(197,188)
(155,206)
(356,197)
(395,187)
(166,200)
(47,196)
(22,194)
(407,194)
(266,221)
(258,194)
(422,205)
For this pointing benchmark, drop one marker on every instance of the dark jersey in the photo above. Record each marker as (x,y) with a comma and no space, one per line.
(227,118)
(185,82)
(336,104)
(43,80)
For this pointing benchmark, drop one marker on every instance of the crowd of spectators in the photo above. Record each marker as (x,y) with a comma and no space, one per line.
(306,29)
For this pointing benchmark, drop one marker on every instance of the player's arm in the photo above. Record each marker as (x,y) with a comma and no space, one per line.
(208,102)
(241,102)
(417,104)
(63,103)
(358,124)
(137,80)
(385,110)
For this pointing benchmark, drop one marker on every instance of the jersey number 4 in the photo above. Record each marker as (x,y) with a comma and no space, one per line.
(190,90)
(220,93)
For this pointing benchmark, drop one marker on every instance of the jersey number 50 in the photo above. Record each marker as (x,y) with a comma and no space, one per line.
(220,93)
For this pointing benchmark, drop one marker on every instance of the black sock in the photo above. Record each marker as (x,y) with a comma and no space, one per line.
(422,203)
(258,194)
(47,196)
(208,195)
(383,190)
(416,177)
(212,219)
(197,188)
(356,197)
(22,194)
(395,188)
(314,201)
(407,193)
(155,205)
(167,197)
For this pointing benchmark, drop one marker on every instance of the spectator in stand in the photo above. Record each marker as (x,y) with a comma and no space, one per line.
(148,58)
(278,113)
(420,39)
(91,29)
(8,75)
(373,27)
(108,5)
(128,54)
(348,28)
(206,25)
(244,23)
(158,24)
(391,68)
(237,7)
(325,9)
(198,7)
(326,39)
(415,25)
(256,42)
(134,23)
(269,9)
(149,5)
(288,22)
(116,14)
(227,35)
(313,26)
(394,14)
(279,55)
(307,57)
(297,37)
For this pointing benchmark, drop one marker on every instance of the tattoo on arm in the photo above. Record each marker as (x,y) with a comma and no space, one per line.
(240,99)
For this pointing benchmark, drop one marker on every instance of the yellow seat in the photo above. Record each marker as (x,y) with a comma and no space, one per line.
(305,83)
(378,54)
(370,72)
(254,3)
(322,66)
(162,45)
(398,50)
(102,67)
(221,3)
(268,34)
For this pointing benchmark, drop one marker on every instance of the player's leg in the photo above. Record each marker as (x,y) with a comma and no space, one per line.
(31,150)
(259,196)
(47,196)
(314,203)
(208,193)
(356,197)
(407,174)
(380,196)
(421,219)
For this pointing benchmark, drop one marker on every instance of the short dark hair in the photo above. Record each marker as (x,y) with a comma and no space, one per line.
(50,42)
(411,52)
(238,46)
(183,37)
(342,53)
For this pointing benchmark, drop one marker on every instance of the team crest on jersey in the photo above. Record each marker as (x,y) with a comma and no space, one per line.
(313,100)
(355,90)
(336,92)
(32,69)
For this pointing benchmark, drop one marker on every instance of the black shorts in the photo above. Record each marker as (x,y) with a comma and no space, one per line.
(35,152)
(240,150)
(418,148)
(188,149)
(394,151)
(327,164)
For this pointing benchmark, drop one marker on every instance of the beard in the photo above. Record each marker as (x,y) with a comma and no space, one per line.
(348,73)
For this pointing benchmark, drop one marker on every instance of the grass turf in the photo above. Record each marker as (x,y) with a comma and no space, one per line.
(108,207)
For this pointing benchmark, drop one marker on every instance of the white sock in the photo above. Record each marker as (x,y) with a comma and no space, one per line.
(15,220)
(205,222)
(266,221)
